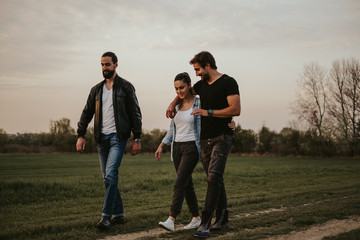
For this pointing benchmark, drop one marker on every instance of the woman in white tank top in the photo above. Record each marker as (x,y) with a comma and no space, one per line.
(184,137)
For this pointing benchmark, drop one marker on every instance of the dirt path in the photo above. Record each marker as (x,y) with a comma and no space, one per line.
(137,235)
(318,232)
(315,232)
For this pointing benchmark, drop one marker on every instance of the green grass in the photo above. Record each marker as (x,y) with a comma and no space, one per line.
(60,196)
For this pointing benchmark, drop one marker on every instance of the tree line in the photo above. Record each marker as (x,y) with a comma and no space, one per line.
(327,104)
(287,142)
(328,101)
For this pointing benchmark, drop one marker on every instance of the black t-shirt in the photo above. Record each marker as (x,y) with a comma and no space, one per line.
(214,97)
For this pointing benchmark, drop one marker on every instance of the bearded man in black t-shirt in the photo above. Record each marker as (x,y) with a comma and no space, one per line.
(220,101)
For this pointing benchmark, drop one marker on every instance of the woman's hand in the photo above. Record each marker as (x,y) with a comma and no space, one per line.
(159,151)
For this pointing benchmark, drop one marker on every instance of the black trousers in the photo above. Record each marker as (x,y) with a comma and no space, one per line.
(214,153)
(185,157)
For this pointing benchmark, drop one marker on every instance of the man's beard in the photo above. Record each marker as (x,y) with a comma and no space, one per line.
(108,74)
(206,77)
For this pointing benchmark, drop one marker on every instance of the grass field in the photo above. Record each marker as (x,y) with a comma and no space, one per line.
(60,196)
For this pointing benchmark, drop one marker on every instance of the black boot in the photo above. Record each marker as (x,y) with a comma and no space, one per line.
(117,220)
(104,223)
(204,229)
(222,221)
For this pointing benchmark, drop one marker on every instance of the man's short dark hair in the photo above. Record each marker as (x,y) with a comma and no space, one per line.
(204,58)
(112,55)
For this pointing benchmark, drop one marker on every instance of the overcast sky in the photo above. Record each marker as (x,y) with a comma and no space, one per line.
(50,53)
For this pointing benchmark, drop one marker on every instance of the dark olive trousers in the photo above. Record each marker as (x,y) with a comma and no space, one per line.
(185,157)
(214,153)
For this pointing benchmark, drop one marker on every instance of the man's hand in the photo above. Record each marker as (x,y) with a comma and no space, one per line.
(135,148)
(170,112)
(200,112)
(80,144)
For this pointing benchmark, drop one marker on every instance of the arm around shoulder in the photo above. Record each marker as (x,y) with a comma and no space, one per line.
(171,111)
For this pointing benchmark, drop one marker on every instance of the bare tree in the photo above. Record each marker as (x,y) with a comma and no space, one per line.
(344,108)
(311,100)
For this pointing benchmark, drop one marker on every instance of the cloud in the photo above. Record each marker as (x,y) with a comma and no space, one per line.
(35,39)
(43,37)
(47,44)
(53,26)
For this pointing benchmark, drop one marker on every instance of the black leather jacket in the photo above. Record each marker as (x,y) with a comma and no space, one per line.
(126,110)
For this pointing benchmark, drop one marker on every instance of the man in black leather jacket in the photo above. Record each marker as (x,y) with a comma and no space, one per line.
(117,113)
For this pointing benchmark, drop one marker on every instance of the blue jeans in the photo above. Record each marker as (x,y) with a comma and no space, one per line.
(111,152)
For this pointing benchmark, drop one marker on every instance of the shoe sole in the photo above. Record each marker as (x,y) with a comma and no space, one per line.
(224,228)
(192,227)
(199,236)
(162,226)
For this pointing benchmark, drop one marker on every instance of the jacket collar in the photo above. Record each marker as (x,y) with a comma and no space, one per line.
(117,80)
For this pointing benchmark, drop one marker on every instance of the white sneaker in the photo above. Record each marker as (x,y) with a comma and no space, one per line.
(195,223)
(168,225)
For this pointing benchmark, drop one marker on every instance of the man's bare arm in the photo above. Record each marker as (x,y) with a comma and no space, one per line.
(170,111)
(234,109)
